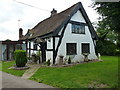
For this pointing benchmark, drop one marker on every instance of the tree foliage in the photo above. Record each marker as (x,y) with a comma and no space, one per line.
(109,26)
(105,47)
(110,14)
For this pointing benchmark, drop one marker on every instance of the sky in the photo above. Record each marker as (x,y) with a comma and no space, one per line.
(14,15)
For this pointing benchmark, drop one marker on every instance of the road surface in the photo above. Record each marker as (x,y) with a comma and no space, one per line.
(10,81)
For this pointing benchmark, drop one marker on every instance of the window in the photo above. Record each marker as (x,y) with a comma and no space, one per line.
(71,48)
(79,29)
(85,48)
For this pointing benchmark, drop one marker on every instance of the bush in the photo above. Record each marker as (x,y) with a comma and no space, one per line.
(47,62)
(20,58)
(34,58)
(117,52)
(29,58)
(69,60)
(106,48)
(38,55)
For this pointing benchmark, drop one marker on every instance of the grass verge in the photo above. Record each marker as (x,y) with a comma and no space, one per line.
(6,65)
(0,65)
(91,75)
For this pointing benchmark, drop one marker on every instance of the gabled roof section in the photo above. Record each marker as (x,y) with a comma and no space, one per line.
(52,25)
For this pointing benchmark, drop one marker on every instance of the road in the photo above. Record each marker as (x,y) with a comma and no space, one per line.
(10,81)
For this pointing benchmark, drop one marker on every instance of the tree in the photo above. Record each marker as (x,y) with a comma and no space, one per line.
(105,33)
(110,19)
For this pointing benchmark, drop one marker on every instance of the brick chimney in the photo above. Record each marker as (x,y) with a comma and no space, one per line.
(53,12)
(20,33)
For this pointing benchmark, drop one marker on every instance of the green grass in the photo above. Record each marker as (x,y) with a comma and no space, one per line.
(0,65)
(6,65)
(97,74)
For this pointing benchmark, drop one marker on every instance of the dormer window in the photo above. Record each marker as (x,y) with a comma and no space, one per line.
(78,29)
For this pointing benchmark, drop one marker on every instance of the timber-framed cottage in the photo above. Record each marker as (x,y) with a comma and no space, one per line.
(68,34)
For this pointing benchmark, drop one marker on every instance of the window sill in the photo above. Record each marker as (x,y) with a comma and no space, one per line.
(71,54)
(79,33)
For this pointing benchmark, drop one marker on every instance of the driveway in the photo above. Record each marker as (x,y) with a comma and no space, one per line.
(10,81)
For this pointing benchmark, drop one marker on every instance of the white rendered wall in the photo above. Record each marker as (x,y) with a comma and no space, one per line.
(70,37)
(49,54)
(31,51)
(49,43)
(78,17)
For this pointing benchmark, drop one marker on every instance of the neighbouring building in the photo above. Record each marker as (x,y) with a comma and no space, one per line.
(68,34)
(8,47)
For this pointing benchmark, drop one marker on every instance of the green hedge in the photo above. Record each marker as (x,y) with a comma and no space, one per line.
(20,58)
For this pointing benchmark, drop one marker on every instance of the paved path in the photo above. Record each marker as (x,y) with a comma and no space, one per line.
(33,68)
(10,81)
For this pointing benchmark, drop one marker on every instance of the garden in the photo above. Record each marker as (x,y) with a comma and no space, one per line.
(90,75)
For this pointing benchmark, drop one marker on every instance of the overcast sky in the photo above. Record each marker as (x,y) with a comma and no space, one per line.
(12,11)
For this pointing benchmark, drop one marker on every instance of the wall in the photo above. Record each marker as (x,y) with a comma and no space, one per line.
(3,50)
(49,54)
(76,38)
(31,51)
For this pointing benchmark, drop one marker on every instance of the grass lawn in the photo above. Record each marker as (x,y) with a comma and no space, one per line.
(0,66)
(6,65)
(98,74)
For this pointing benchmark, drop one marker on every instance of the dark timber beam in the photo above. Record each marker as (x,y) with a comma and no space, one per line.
(54,50)
(60,40)
(29,48)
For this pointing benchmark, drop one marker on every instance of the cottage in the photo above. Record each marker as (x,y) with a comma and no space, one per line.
(67,34)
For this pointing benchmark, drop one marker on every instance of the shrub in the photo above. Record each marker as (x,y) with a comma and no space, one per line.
(117,52)
(34,58)
(106,47)
(69,60)
(38,55)
(29,58)
(20,58)
(48,62)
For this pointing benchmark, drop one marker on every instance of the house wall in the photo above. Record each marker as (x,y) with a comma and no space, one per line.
(78,17)
(49,54)
(30,43)
(70,37)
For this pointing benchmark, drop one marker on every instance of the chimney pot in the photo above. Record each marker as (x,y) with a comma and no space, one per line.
(53,12)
